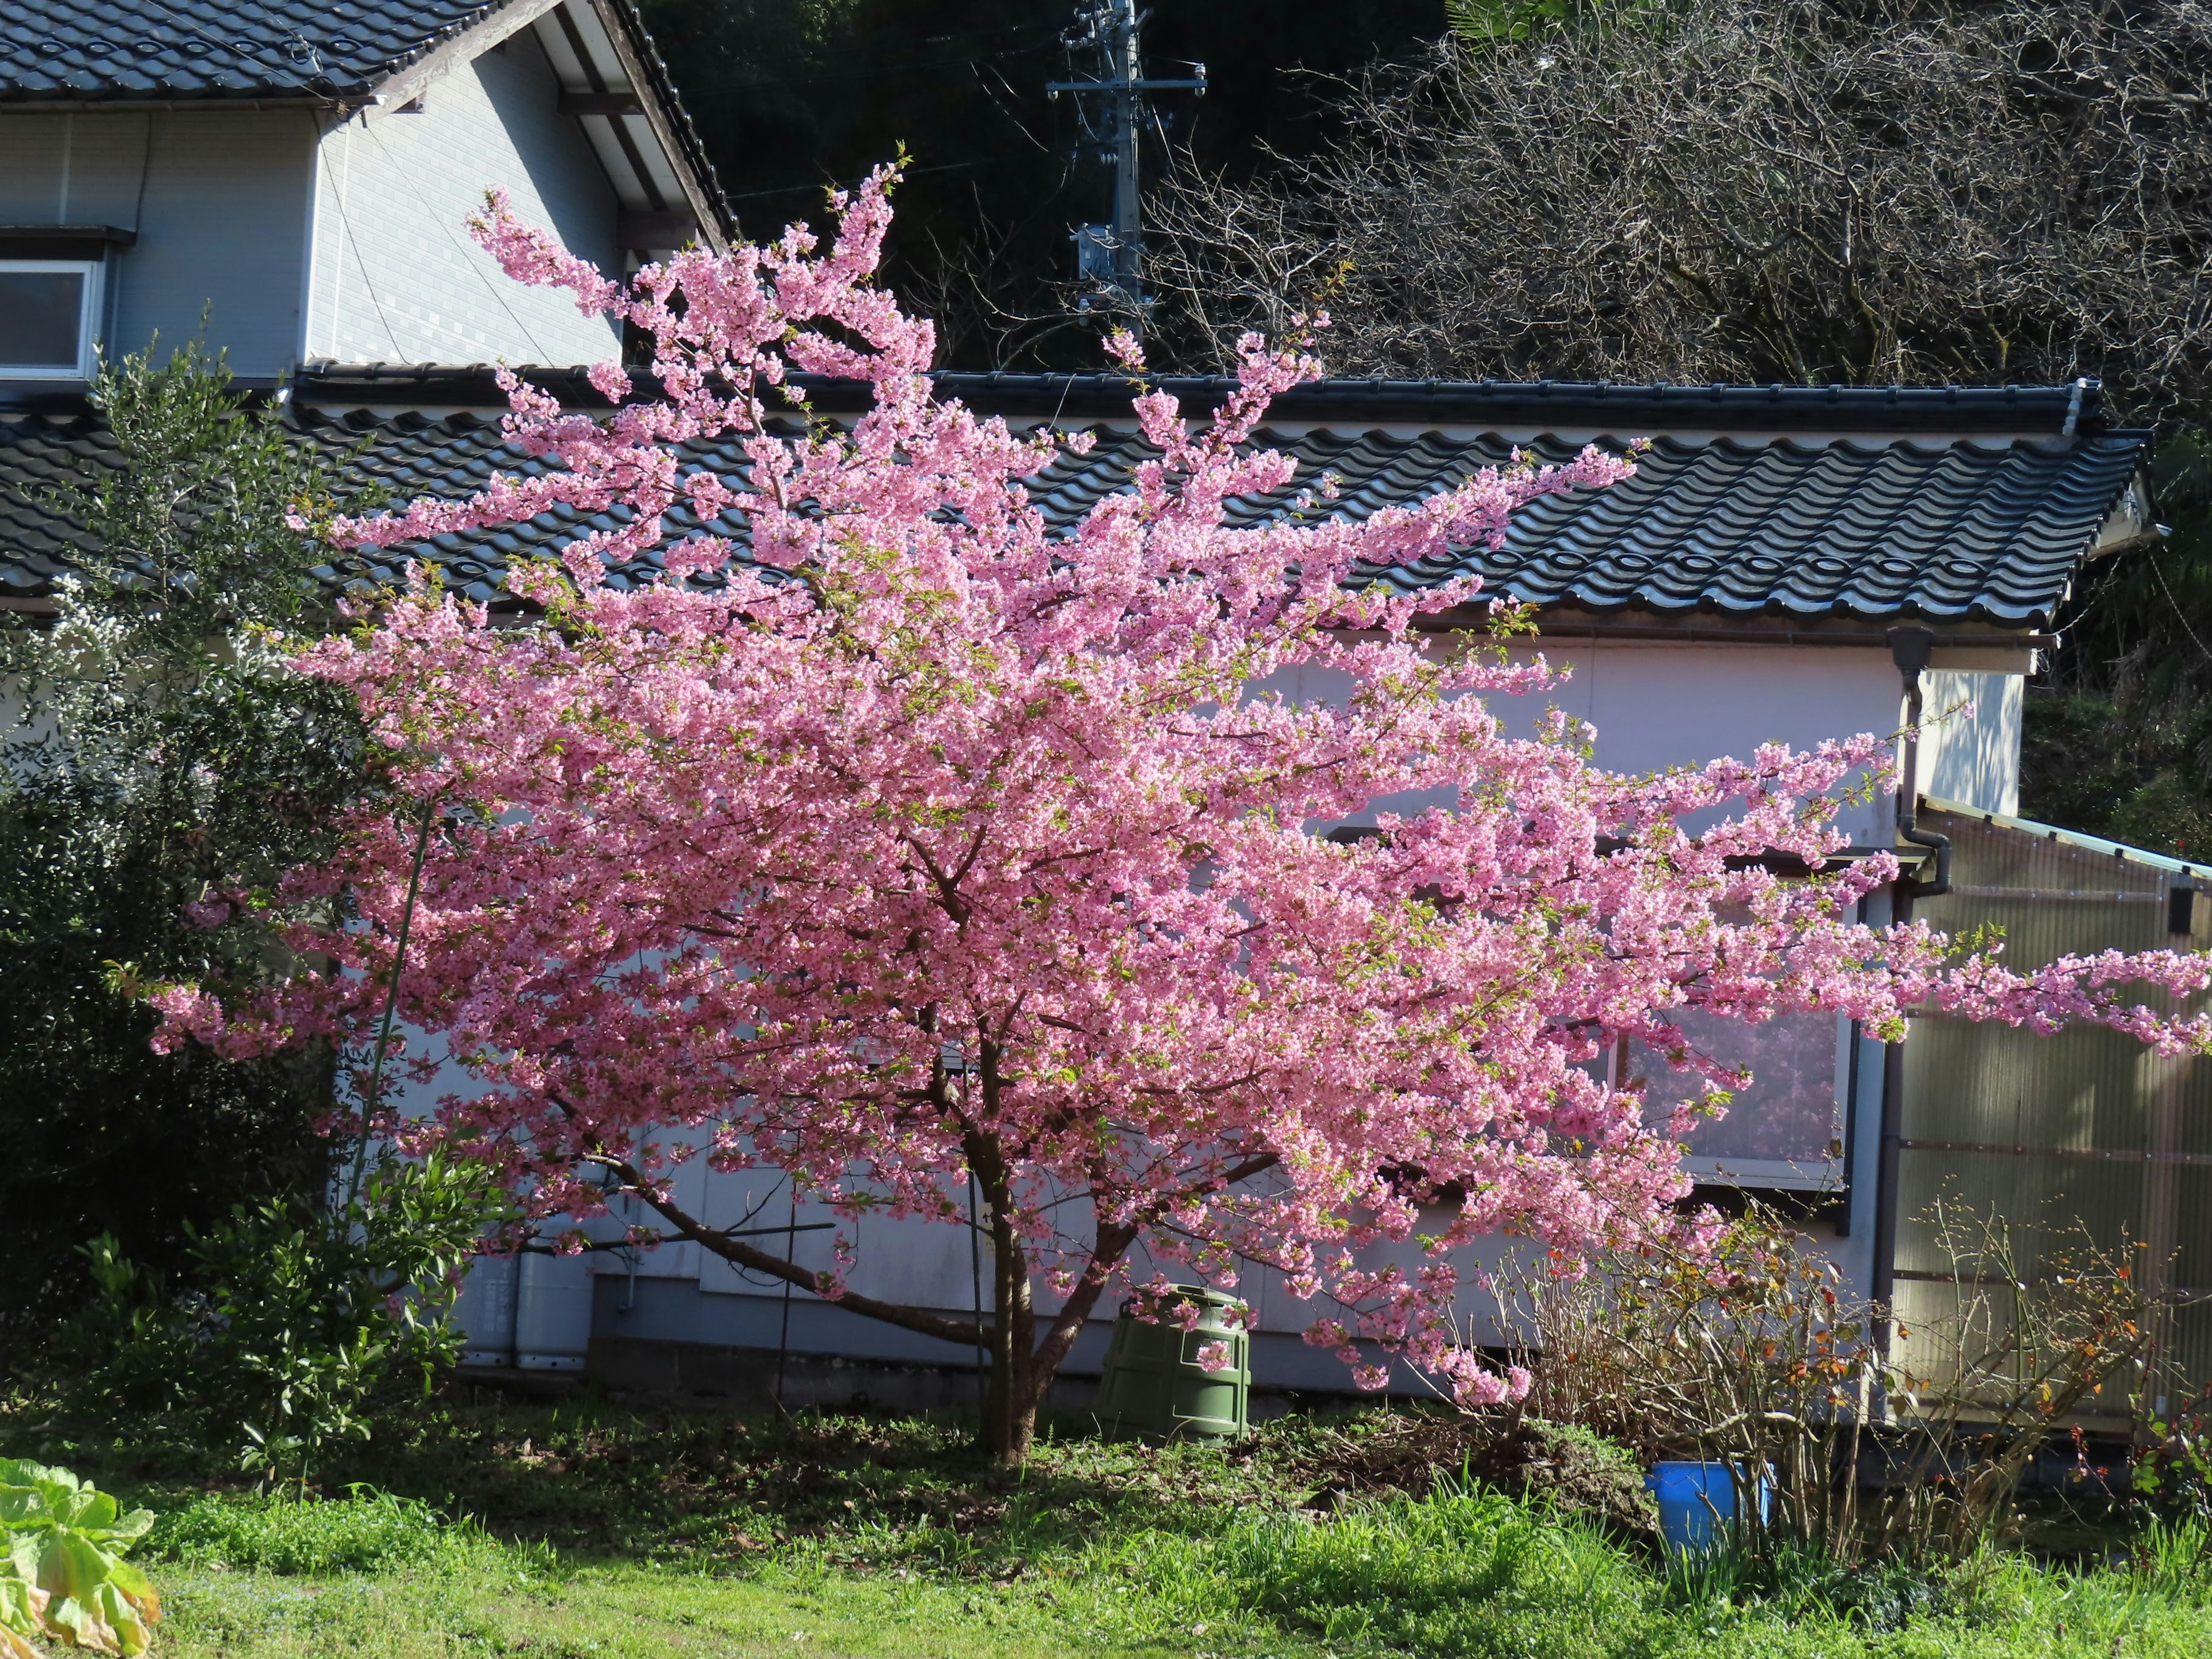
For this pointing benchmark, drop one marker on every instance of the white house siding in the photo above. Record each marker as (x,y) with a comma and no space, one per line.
(1663,705)
(218,197)
(396,277)
(1970,742)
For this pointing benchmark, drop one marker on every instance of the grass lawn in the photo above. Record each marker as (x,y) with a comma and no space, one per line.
(562,1531)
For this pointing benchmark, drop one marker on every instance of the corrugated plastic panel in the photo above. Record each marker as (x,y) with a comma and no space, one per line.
(2086,1130)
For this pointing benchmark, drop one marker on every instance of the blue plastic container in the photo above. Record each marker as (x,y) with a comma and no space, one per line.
(1696,1503)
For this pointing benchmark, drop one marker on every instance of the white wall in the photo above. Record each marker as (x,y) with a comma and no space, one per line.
(1971,757)
(395,278)
(1662,705)
(219,197)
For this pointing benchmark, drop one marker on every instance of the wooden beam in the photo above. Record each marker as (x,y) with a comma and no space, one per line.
(601,103)
(657,230)
(707,224)
(466,47)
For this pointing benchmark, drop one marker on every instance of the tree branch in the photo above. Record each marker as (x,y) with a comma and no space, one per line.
(745,1255)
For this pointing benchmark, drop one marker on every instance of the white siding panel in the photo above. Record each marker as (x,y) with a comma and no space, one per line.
(34,151)
(224,226)
(218,197)
(71,169)
(1659,705)
(397,278)
(1970,743)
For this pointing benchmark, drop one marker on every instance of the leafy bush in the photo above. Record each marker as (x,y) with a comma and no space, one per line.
(61,1574)
(366,1532)
(2173,1474)
(159,759)
(1800,1583)
(290,1324)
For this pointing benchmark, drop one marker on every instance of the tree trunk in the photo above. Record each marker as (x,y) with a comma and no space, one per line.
(1009,1405)
(1022,1364)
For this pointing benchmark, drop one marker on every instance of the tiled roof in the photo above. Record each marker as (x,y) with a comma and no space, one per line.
(1567,407)
(71,49)
(1986,529)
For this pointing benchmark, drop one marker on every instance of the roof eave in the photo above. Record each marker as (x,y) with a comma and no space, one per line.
(664,113)
(347,97)
(411,77)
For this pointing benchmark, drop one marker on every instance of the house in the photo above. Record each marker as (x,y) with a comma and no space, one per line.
(301,173)
(1789,563)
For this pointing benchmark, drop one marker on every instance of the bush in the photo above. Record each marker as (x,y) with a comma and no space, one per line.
(158,761)
(1799,1583)
(290,1325)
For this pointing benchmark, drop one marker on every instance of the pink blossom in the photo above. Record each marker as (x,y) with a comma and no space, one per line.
(929,844)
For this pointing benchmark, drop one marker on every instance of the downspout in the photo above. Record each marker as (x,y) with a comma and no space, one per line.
(1910,649)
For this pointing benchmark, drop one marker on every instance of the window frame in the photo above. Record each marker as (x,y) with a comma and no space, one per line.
(94,272)
(1826,1173)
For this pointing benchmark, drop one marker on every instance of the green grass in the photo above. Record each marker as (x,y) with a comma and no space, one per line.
(363,1531)
(559,1532)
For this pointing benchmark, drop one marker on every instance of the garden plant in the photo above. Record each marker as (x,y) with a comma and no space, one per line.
(62,1573)
(154,744)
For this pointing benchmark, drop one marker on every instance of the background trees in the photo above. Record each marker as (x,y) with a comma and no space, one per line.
(790,97)
(1747,191)
(1750,191)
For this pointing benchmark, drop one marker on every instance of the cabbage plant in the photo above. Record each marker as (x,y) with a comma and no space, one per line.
(62,1573)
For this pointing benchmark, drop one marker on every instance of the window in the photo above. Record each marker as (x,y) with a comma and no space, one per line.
(1786,1129)
(47,314)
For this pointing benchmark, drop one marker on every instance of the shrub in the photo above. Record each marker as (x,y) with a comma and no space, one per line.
(1751,1354)
(159,762)
(293,1323)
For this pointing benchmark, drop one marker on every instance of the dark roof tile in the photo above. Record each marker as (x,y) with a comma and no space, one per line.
(218,48)
(1740,525)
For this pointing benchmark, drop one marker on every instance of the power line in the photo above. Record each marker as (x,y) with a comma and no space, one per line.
(844,184)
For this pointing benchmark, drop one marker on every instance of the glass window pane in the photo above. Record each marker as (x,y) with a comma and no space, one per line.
(39,313)
(1789,1112)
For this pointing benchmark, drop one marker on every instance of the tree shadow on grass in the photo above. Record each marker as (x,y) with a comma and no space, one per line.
(591,1477)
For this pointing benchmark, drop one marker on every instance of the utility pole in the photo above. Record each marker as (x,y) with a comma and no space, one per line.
(1111,106)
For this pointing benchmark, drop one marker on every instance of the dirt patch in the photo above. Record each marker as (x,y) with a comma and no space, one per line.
(1573,1468)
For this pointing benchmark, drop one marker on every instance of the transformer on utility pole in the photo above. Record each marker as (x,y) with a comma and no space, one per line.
(1111,106)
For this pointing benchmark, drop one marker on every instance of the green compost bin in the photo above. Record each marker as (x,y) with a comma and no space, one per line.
(1154,1386)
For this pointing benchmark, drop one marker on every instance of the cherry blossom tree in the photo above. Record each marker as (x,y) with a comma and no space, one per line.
(914,841)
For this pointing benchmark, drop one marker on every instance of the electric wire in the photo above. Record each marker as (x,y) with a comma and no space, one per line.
(474,265)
